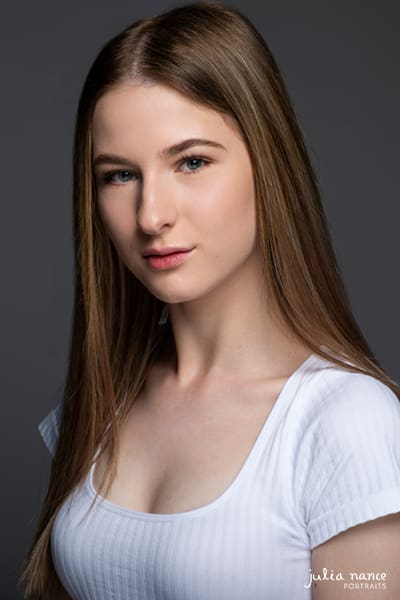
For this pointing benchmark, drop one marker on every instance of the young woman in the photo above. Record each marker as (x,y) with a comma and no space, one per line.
(225,432)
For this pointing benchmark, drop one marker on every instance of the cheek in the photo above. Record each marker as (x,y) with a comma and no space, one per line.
(226,211)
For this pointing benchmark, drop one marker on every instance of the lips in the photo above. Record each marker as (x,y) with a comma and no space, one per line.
(168,261)
(165,251)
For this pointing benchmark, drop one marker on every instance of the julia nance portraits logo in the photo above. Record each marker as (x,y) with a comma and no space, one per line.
(350,580)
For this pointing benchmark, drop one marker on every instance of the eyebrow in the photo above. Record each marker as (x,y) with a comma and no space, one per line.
(166,153)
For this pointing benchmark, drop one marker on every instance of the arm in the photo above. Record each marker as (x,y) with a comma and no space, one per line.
(371,548)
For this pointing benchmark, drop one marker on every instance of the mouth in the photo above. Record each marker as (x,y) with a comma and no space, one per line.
(167,261)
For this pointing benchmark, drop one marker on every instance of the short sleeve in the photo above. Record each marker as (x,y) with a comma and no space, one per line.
(49,428)
(351,456)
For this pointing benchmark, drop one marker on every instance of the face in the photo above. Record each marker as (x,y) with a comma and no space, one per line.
(172,173)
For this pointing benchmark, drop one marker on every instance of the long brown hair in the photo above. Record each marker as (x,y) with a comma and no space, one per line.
(213,55)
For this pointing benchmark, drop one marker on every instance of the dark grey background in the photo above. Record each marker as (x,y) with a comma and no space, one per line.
(340,61)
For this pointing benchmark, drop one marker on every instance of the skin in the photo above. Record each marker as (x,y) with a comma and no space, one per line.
(220,320)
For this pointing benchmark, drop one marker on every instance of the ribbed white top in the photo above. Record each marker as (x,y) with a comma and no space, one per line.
(326,458)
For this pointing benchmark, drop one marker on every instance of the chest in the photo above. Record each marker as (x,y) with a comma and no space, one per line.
(180,453)
(245,546)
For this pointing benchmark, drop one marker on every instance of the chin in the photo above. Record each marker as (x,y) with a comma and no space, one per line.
(173,298)
(186,288)
(175,295)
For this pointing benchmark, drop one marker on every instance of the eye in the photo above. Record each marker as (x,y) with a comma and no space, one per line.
(118,177)
(193,163)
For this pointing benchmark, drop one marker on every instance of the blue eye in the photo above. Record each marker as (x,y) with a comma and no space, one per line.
(194,163)
(126,176)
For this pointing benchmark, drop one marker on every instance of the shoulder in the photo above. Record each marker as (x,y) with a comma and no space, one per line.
(345,402)
(347,459)
(342,418)
(339,413)
(49,428)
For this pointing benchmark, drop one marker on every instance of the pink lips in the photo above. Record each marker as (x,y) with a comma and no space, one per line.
(165,250)
(167,261)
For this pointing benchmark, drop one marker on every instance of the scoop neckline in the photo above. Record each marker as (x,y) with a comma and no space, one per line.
(278,407)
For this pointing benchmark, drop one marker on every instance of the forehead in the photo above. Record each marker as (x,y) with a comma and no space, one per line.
(154,111)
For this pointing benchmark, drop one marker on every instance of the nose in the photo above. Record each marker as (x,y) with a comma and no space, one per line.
(156,207)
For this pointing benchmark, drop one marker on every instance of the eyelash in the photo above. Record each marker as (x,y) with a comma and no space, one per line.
(107,177)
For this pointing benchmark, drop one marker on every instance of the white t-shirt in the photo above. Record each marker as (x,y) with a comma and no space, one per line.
(326,458)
